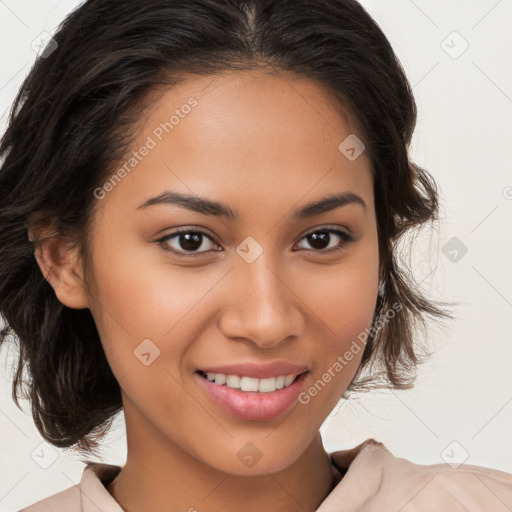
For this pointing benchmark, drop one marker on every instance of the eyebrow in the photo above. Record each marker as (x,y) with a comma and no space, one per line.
(209,207)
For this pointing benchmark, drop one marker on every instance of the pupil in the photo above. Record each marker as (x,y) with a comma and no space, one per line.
(191,241)
(320,236)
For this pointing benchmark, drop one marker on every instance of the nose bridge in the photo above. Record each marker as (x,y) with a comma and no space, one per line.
(262,308)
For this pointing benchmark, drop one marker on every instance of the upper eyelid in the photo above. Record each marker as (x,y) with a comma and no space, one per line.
(212,237)
(326,227)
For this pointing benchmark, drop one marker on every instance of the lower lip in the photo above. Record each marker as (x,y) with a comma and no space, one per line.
(253,405)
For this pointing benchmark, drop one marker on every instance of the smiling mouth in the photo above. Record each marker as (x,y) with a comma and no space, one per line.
(251,384)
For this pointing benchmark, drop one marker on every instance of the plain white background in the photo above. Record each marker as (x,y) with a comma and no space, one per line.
(457,56)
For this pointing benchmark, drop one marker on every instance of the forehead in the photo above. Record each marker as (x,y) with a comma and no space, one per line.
(241,137)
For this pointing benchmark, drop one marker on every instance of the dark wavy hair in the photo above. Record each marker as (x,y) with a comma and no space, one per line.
(74,117)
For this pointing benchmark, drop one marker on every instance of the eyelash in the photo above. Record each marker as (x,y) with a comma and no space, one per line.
(346,238)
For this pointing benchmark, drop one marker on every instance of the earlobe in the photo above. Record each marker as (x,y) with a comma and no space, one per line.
(60,265)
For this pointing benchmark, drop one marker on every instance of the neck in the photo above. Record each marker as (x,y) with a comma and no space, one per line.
(160,476)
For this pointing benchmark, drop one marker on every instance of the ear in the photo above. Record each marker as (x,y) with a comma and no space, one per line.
(60,265)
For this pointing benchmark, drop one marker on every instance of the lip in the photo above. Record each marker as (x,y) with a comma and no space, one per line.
(252,405)
(257,371)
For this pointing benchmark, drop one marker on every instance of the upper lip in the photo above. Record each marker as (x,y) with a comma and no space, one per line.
(258,371)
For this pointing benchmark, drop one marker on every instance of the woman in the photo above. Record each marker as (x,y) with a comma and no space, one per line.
(201,202)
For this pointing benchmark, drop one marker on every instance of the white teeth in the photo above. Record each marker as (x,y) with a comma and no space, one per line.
(219,378)
(248,384)
(267,385)
(251,384)
(232,381)
(288,380)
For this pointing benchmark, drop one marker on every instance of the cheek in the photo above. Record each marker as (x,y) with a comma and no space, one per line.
(343,298)
(147,298)
(146,307)
(341,304)
(344,315)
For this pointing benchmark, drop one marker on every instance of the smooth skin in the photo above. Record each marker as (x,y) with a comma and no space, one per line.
(264,145)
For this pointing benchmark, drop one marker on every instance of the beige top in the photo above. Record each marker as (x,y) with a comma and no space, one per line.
(374,481)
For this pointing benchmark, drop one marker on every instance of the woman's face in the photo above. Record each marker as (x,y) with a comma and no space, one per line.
(254,281)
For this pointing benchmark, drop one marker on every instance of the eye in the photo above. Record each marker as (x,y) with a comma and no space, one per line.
(185,241)
(321,239)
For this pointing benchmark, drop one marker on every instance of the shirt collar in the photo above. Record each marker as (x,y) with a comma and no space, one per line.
(93,492)
(360,460)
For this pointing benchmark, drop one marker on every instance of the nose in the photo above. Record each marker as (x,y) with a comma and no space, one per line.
(262,306)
